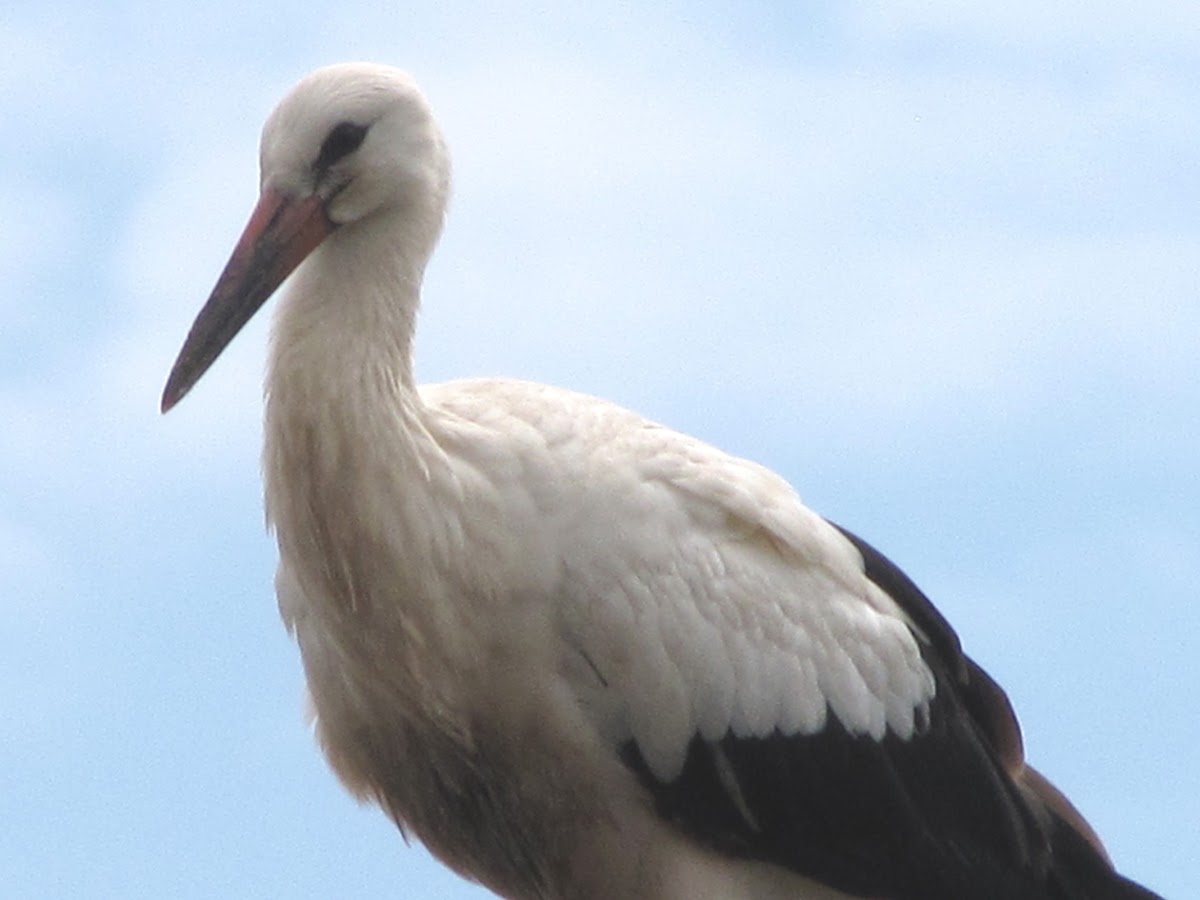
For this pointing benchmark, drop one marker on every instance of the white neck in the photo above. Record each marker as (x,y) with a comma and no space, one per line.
(350,308)
(341,405)
(351,471)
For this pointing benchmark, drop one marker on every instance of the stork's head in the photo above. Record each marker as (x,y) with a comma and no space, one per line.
(348,144)
(357,137)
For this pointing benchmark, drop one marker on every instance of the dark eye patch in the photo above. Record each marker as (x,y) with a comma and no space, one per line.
(344,139)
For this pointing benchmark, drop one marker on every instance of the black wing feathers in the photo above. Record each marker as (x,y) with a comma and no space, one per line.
(949,814)
(870,818)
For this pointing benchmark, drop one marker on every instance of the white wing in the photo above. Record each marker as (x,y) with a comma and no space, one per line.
(711,601)
(781,690)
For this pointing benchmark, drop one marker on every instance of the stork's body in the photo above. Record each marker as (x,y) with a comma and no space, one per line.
(456,663)
(577,654)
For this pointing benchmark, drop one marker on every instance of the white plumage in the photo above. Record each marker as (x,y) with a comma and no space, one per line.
(576,653)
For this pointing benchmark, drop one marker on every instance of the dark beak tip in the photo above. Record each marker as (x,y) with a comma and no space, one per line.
(282,231)
(174,391)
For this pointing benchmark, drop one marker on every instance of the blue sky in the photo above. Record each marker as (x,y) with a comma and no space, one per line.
(934,262)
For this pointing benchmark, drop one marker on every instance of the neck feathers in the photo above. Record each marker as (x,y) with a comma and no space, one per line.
(343,419)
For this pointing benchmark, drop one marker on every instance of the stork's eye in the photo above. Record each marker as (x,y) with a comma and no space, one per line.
(344,139)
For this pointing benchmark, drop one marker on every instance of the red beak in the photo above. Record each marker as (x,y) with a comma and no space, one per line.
(282,231)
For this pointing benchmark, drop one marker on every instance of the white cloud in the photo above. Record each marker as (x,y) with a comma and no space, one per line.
(32,578)
(855,243)
(858,245)
(43,230)
(1078,24)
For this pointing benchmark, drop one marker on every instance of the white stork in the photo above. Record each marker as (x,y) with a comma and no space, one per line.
(581,656)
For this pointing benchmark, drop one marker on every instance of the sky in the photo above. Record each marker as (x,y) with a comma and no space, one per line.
(933,262)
